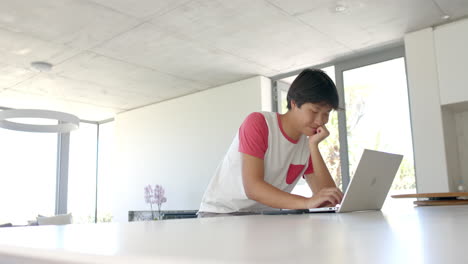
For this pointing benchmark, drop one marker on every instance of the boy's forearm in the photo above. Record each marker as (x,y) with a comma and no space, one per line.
(269,195)
(322,176)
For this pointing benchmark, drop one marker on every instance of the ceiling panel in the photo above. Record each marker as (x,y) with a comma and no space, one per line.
(113,55)
(454,8)
(111,74)
(26,100)
(11,75)
(80,24)
(60,87)
(253,30)
(298,7)
(19,50)
(142,8)
(166,51)
(367,23)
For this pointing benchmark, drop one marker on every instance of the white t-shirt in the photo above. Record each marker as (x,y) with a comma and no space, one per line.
(260,135)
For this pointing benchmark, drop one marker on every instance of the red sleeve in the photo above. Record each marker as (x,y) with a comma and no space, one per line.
(253,135)
(310,168)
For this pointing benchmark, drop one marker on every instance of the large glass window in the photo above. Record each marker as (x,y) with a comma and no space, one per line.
(29,172)
(377,115)
(82,173)
(83,201)
(105,205)
(27,175)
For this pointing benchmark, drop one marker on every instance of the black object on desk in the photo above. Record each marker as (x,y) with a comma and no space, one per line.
(285,212)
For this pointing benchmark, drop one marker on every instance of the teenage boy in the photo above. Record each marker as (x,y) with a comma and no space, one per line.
(271,152)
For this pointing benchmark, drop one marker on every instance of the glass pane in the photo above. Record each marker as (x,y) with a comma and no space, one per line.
(283,97)
(377,114)
(28,175)
(105,176)
(330,147)
(82,173)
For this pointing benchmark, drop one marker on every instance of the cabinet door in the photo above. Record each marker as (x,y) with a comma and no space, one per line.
(451,42)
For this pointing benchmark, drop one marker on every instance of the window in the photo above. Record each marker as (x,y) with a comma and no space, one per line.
(83,201)
(105,205)
(376,113)
(27,175)
(82,173)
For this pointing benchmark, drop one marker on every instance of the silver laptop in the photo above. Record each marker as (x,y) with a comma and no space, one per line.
(370,185)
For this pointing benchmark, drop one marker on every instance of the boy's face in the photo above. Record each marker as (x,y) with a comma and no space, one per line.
(311,116)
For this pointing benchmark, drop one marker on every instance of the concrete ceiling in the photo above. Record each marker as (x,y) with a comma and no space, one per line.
(111,56)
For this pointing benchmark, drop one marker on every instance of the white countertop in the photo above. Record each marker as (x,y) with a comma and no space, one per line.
(418,235)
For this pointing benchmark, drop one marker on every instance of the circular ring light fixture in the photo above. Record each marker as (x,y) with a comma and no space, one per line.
(66,122)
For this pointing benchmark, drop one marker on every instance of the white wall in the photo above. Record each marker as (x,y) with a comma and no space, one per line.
(178,143)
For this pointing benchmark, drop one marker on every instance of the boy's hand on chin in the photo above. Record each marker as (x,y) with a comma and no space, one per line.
(320,134)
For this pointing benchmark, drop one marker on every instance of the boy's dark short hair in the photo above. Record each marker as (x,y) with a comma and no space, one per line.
(313,86)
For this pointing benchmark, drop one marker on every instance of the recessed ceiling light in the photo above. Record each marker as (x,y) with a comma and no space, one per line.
(22,51)
(41,66)
(445,17)
(340,8)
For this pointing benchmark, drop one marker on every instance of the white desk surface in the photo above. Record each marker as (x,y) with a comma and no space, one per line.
(418,235)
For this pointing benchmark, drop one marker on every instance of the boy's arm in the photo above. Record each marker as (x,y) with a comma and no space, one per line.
(321,177)
(257,189)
